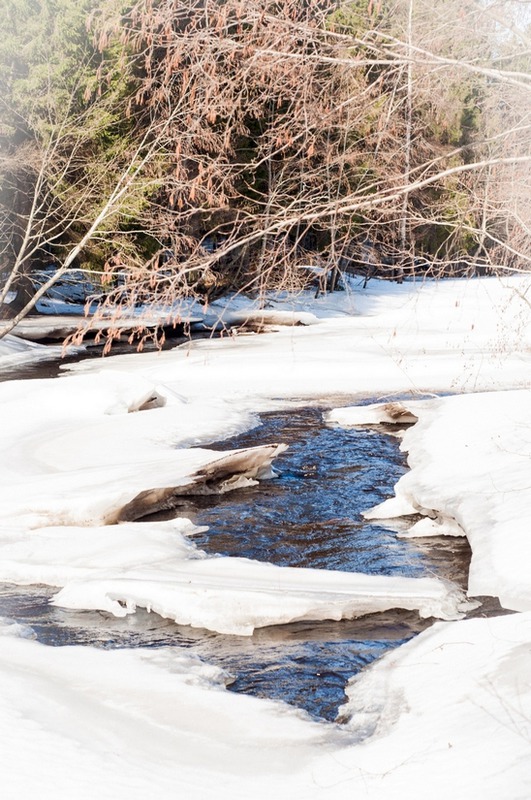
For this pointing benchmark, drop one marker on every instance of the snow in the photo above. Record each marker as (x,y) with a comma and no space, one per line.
(262,318)
(411,337)
(60,326)
(15,351)
(447,713)
(470,469)
(121,567)
(86,454)
(453,707)
(138,724)
(103,449)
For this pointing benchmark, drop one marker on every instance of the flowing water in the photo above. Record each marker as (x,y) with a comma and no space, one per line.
(309,516)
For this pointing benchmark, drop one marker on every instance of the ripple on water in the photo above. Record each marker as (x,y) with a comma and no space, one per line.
(308,517)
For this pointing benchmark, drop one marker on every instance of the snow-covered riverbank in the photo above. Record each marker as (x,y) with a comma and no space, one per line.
(80,449)
(470,473)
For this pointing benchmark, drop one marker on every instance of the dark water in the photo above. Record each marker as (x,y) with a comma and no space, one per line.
(308,516)
(53,366)
(305,664)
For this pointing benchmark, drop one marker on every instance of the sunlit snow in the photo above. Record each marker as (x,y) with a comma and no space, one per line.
(448,713)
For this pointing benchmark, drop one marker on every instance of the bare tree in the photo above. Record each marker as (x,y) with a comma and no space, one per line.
(263,138)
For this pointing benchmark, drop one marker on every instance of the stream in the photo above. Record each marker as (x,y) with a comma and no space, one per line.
(309,516)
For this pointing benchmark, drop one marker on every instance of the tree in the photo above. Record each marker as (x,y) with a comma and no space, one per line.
(212,145)
(301,129)
(71,159)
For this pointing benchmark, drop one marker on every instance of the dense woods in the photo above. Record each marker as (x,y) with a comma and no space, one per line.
(173,148)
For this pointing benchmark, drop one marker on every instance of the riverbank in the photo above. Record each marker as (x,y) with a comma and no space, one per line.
(75,452)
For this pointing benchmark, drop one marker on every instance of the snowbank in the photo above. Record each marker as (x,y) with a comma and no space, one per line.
(82,722)
(15,351)
(470,460)
(388,338)
(447,714)
(152,565)
(75,452)
(450,712)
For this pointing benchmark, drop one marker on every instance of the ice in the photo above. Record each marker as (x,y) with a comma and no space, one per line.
(447,714)
(15,351)
(154,565)
(470,459)
(387,338)
(440,526)
(453,706)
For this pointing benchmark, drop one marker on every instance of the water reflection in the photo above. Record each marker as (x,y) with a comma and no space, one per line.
(306,664)
(308,517)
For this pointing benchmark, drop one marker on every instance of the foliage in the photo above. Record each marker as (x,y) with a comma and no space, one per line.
(203,145)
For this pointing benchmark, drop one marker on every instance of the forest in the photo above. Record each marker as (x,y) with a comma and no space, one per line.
(167,149)
(265,370)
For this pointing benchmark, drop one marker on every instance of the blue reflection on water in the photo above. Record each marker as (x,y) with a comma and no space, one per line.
(308,517)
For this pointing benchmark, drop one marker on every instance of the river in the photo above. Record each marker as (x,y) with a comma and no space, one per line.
(309,516)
